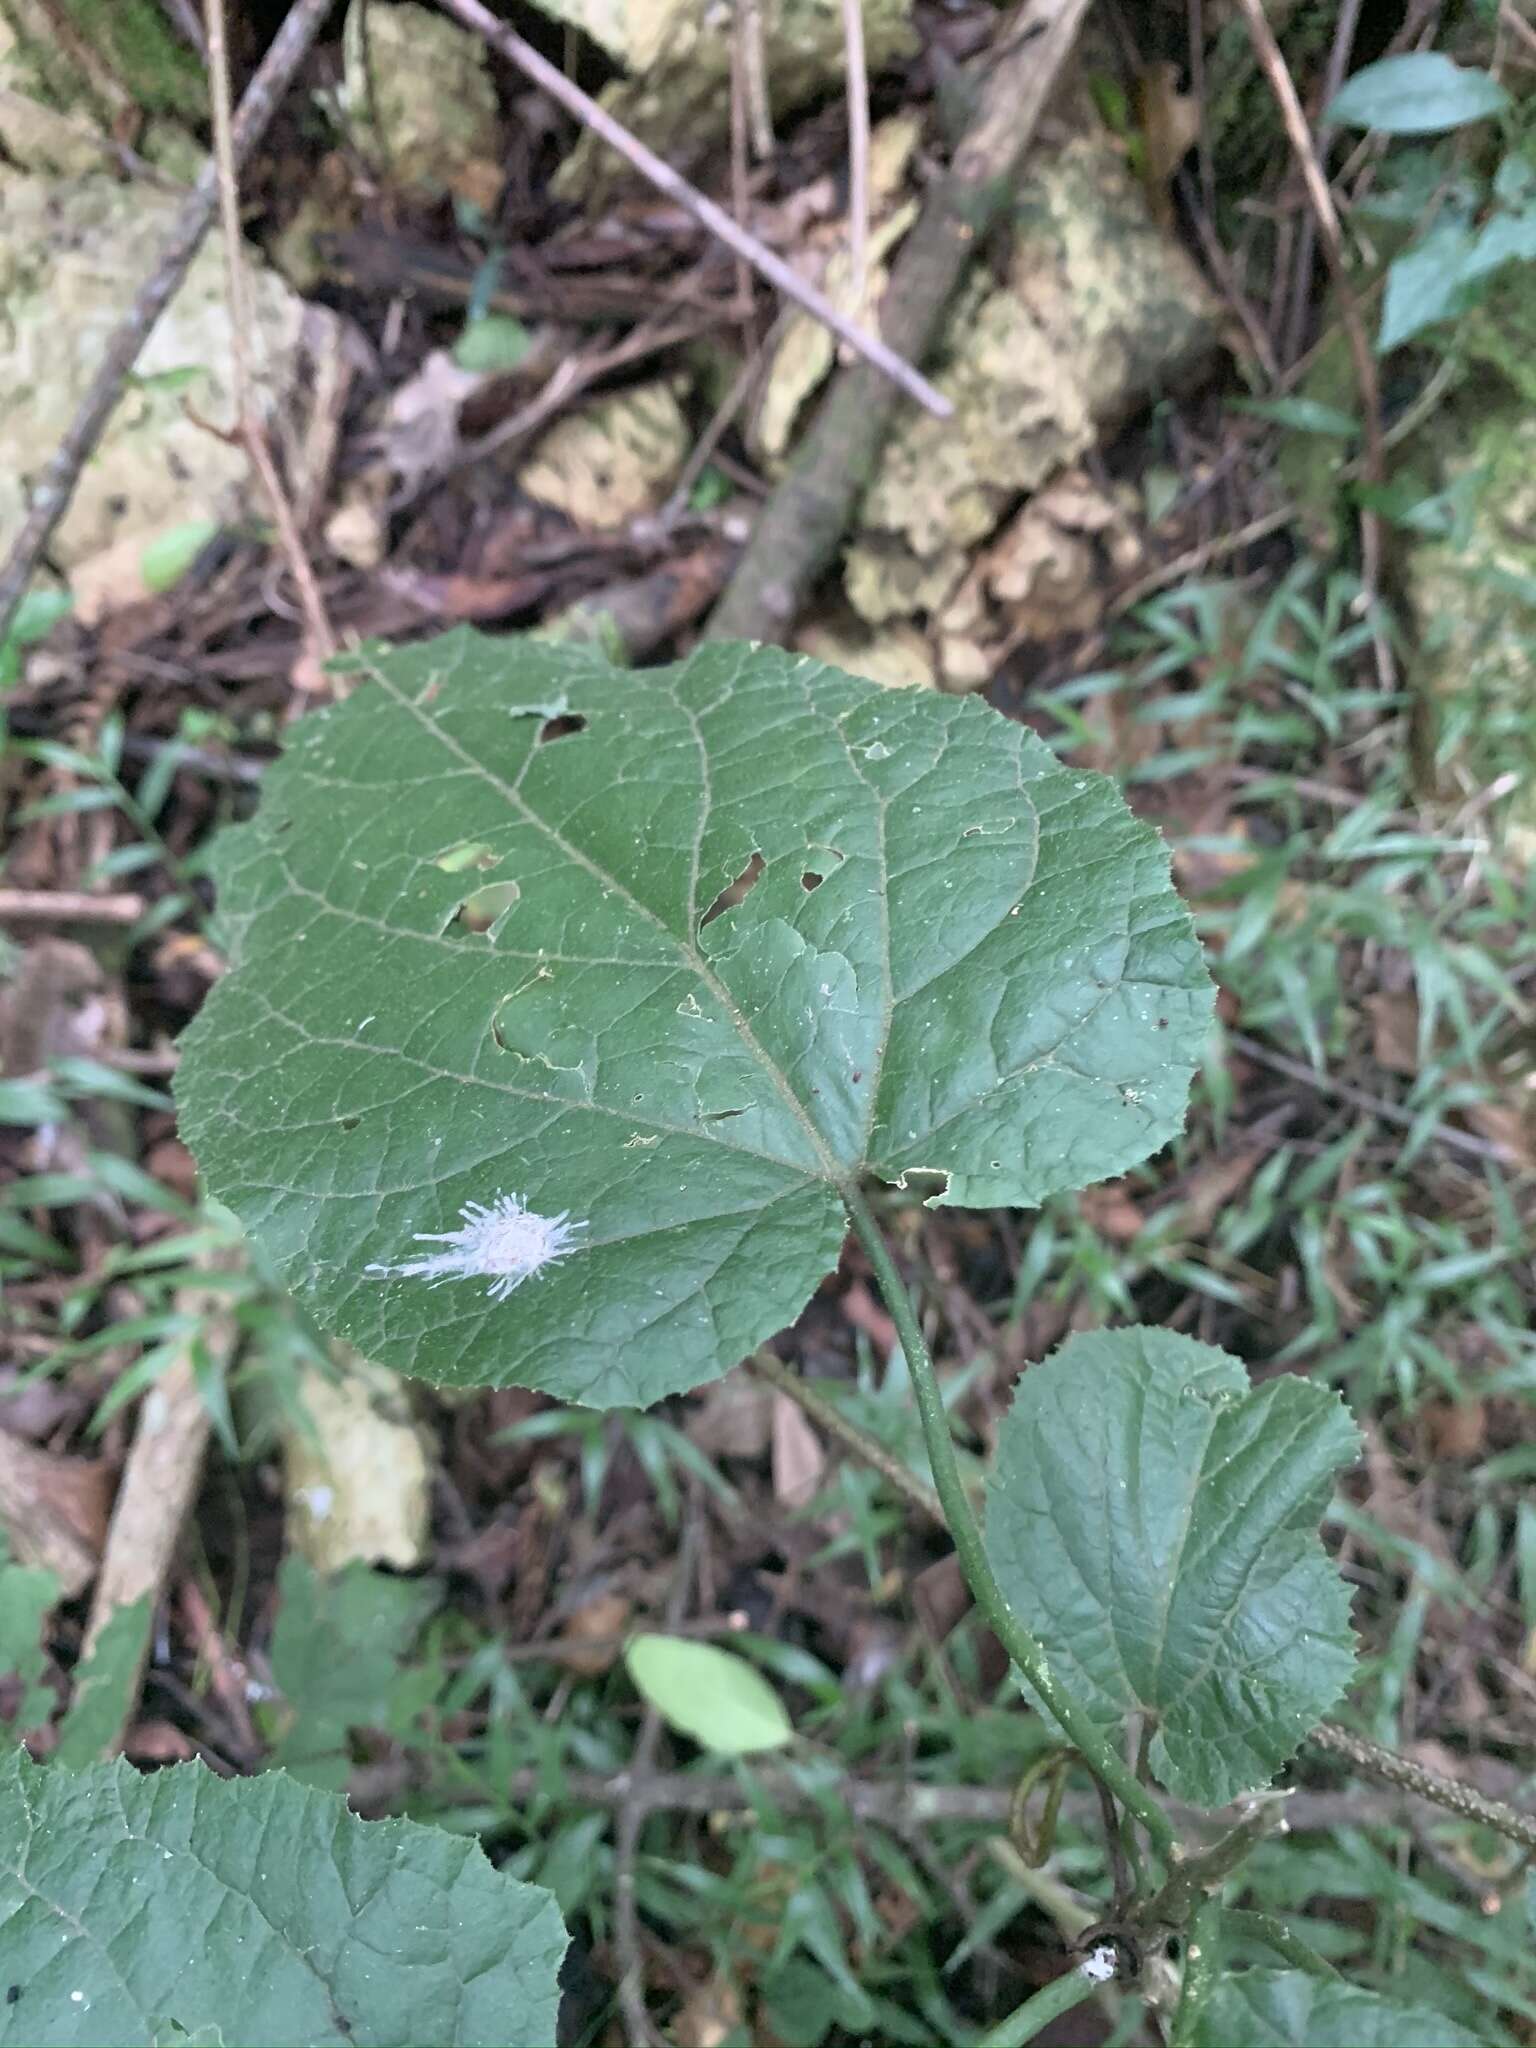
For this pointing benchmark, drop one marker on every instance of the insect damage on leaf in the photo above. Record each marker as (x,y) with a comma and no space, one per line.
(934,948)
(506,1243)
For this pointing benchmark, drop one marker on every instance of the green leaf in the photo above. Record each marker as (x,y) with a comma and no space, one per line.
(1422,93)
(133,1907)
(1154,1521)
(1306,415)
(494,343)
(721,1701)
(958,956)
(1290,2009)
(105,1685)
(168,558)
(28,1595)
(337,1648)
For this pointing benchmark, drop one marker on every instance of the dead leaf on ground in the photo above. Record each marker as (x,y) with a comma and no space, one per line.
(1394,1019)
(591,1638)
(798,1457)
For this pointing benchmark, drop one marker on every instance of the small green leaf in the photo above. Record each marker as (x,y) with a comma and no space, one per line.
(1306,415)
(492,344)
(337,1648)
(133,1907)
(724,1703)
(1421,93)
(168,557)
(33,619)
(1290,2009)
(28,1595)
(1154,1520)
(105,1686)
(775,928)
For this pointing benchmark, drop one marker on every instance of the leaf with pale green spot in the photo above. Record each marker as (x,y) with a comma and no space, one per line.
(1290,2009)
(717,1698)
(942,951)
(180,1905)
(1154,1521)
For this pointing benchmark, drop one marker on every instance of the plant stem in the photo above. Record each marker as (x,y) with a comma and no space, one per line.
(1202,1957)
(1022,2025)
(1393,1769)
(1096,1747)
(1274,1934)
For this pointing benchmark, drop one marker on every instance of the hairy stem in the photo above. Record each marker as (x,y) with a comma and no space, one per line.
(1274,1934)
(1026,2021)
(1097,1749)
(1202,1959)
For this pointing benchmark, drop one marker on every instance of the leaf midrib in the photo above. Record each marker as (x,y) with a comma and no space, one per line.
(700,966)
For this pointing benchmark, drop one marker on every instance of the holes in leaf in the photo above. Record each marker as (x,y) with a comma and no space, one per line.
(469,853)
(350,1123)
(734,892)
(562,728)
(477,913)
(718,1116)
(811,880)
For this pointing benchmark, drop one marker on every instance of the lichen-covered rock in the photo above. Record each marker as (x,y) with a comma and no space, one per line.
(612,461)
(420,102)
(72,253)
(64,95)
(679,52)
(1099,309)
(358,1479)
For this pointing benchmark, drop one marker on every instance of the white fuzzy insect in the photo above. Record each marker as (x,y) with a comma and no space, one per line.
(506,1243)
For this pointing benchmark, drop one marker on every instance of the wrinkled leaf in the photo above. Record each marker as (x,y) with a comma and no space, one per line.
(1155,1522)
(1290,2009)
(1421,93)
(718,1699)
(141,1908)
(956,955)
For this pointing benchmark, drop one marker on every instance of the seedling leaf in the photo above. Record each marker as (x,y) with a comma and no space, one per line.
(724,1703)
(1154,1520)
(774,928)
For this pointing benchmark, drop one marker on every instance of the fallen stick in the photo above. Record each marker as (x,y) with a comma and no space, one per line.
(802,524)
(888,361)
(53,490)
(161,1477)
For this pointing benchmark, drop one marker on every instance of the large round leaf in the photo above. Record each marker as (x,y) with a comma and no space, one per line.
(255,1911)
(950,953)
(1154,1521)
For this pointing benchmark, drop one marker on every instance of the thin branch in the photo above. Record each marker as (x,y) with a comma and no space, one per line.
(802,525)
(1391,1768)
(68,906)
(550,79)
(867,1449)
(858,151)
(1376,1105)
(1320,201)
(54,489)
(248,428)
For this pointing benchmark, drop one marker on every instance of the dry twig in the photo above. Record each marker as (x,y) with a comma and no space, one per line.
(719,223)
(55,487)
(802,524)
(249,430)
(1320,201)
(858,150)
